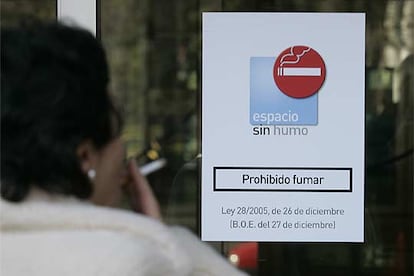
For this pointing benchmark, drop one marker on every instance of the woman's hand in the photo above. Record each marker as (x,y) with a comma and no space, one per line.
(141,196)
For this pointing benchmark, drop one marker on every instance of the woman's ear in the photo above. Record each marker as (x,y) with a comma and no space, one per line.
(87,155)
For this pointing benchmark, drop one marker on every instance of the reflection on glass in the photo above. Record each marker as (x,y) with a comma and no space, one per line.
(14,12)
(154,51)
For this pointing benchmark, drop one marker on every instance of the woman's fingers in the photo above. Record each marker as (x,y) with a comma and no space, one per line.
(142,197)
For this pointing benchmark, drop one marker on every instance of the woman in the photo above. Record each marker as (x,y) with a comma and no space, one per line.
(62,164)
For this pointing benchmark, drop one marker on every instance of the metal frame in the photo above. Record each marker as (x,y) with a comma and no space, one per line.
(84,13)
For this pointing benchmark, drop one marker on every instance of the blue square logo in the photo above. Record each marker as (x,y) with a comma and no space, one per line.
(270,106)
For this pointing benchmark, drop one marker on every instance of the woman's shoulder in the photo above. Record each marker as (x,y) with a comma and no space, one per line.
(42,211)
(53,234)
(79,235)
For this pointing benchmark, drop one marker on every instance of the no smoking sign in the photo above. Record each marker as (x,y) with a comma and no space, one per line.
(283,103)
(299,71)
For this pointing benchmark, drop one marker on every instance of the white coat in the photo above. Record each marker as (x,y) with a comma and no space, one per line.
(53,235)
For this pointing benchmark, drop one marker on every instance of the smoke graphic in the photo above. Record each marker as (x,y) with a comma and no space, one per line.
(292,54)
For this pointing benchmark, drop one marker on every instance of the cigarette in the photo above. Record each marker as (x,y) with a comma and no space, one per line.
(299,71)
(153,166)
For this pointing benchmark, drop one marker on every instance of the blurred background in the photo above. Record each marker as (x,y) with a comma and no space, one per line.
(154,52)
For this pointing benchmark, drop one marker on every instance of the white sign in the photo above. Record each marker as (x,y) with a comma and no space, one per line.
(283,127)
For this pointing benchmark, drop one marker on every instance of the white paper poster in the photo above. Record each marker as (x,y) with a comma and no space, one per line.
(283,119)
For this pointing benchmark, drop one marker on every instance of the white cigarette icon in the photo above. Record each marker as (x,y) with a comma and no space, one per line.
(299,71)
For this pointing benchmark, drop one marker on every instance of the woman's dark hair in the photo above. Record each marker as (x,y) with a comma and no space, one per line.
(54,96)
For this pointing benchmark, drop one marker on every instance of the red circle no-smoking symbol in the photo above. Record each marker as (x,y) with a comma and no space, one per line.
(299,71)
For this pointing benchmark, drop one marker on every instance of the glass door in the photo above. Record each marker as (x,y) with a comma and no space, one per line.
(154,49)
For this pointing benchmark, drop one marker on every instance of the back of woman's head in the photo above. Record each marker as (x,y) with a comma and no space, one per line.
(53,97)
